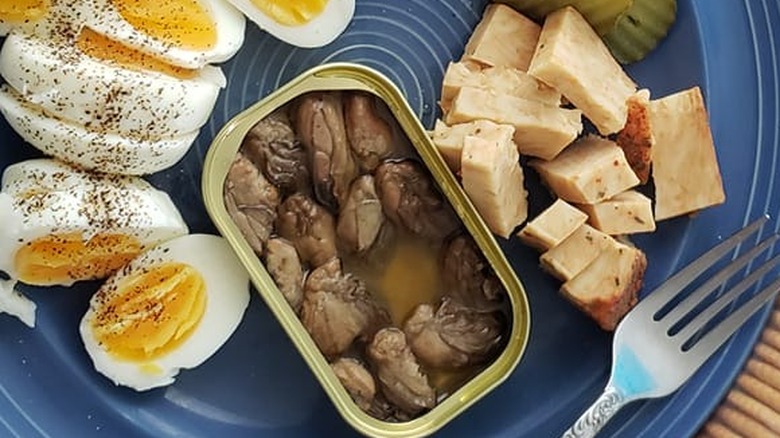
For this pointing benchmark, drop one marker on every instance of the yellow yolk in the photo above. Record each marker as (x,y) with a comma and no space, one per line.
(291,12)
(150,313)
(101,47)
(182,23)
(62,259)
(20,11)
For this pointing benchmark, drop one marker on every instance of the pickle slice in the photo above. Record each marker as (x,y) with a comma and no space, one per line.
(640,29)
(603,15)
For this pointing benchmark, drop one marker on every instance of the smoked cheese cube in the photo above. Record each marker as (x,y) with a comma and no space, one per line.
(589,171)
(541,130)
(608,288)
(493,179)
(552,226)
(499,80)
(573,59)
(625,213)
(449,139)
(577,251)
(504,37)
(685,166)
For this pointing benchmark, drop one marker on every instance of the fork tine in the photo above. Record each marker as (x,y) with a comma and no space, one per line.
(695,297)
(678,281)
(705,315)
(721,332)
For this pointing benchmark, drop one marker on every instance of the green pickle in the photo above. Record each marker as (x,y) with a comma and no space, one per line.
(630,28)
(601,14)
(640,29)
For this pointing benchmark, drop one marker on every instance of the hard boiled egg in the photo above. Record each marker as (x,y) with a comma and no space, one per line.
(303,23)
(61,225)
(108,87)
(15,13)
(91,149)
(170,308)
(185,33)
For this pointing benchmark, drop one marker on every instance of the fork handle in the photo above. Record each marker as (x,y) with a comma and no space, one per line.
(597,415)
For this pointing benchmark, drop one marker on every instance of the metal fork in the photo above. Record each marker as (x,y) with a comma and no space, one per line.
(655,353)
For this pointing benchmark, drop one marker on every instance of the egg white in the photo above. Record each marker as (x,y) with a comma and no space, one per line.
(227,289)
(103,96)
(15,304)
(93,150)
(41,197)
(102,17)
(318,32)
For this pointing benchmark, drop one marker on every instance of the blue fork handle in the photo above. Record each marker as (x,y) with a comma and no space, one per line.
(597,415)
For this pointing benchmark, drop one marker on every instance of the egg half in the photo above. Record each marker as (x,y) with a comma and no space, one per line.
(106,86)
(303,23)
(90,149)
(61,225)
(14,13)
(185,33)
(171,308)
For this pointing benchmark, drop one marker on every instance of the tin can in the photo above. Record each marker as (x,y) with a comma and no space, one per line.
(348,76)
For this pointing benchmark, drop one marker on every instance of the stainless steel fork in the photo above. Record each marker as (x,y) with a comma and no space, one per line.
(654,352)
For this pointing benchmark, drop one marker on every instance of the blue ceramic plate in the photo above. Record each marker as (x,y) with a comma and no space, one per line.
(256,385)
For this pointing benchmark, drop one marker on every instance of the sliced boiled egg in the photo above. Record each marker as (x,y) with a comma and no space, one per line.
(15,13)
(185,33)
(303,23)
(91,149)
(61,225)
(106,86)
(171,308)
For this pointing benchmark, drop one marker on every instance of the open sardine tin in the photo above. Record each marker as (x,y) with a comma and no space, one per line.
(347,76)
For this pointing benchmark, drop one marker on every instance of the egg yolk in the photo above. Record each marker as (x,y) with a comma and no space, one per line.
(182,23)
(62,259)
(151,312)
(101,47)
(291,13)
(20,11)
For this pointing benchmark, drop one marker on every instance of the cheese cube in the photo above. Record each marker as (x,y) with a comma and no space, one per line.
(552,226)
(493,179)
(625,213)
(685,166)
(636,138)
(498,80)
(571,256)
(589,171)
(449,139)
(541,130)
(572,58)
(608,288)
(504,37)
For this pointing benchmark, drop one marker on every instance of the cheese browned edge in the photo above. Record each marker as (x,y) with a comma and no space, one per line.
(685,165)
(608,288)
(573,59)
(636,138)
(504,37)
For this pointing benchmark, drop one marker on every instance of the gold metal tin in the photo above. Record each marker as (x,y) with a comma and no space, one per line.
(346,76)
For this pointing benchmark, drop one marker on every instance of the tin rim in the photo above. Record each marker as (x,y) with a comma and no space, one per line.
(350,76)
